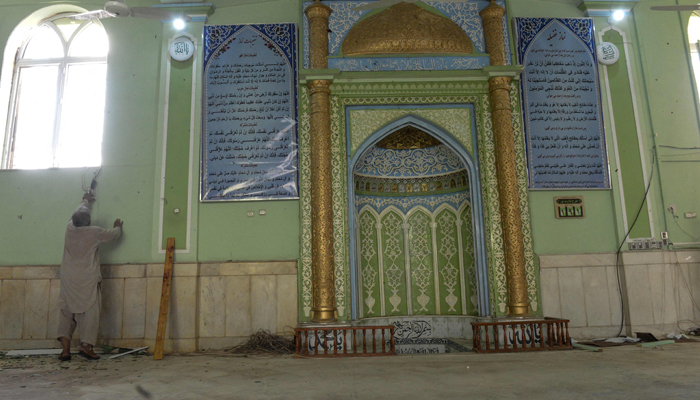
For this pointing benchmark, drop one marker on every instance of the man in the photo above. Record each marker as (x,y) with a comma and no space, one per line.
(80,299)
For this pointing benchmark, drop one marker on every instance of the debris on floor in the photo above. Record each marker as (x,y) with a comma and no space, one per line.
(584,347)
(610,342)
(655,344)
(134,352)
(34,352)
(122,351)
(264,342)
(623,340)
(646,337)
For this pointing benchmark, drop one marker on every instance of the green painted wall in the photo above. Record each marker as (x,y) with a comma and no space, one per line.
(177,153)
(668,115)
(129,186)
(130,182)
(673,111)
(46,199)
(627,141)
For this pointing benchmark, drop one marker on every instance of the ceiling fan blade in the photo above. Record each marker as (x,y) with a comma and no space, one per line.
(97,14)
(233,3)
(571,2)
(158,14)
(381,4)
(388,3)
(676,8)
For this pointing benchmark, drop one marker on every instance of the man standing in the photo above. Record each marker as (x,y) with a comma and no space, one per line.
(80,298)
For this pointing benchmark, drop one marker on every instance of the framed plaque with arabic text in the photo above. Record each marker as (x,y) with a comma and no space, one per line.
(249,118)
(564,133)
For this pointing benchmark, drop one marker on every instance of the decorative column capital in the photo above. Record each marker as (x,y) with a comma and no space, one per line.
(319,86)
(317,10)
(499,83)
(499,89)
(492,11)
(492,21)
(318,14)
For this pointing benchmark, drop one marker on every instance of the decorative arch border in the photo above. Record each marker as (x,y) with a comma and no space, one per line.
(414,94)
(475,196)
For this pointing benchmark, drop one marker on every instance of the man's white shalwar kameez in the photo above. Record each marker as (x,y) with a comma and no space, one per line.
(80,299)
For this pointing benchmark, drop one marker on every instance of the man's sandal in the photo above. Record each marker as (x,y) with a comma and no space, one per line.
(64,358)
(90,356)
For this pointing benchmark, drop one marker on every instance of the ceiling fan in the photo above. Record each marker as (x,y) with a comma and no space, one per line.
(388,3)
(117,8)
(676,8)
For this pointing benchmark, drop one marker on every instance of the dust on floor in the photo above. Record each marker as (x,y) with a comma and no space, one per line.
(666,372)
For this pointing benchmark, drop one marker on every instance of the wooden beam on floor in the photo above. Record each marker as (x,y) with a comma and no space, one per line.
(654,344)
(164,300)
(588,348)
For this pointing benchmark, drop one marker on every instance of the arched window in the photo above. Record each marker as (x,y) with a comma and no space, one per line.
(56,110)
(694,38)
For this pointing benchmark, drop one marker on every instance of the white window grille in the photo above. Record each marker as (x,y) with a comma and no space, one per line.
(56,113)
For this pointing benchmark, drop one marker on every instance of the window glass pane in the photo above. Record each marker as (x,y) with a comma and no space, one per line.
(67,27)
(91,42)
(694,29)
(44,44)
(36,108)
(695,57)
(80,136)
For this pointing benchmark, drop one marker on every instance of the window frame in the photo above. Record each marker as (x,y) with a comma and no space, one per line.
(693,50)
(63,63)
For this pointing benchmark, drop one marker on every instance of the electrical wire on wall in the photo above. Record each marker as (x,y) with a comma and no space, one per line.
(675,217)
(622,243)
(91,188)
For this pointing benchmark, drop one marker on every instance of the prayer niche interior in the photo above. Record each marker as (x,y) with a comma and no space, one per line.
(414,236)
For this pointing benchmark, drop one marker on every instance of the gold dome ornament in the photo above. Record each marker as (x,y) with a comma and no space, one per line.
(406,28)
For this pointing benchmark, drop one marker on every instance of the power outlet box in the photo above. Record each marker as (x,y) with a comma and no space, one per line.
(648,244)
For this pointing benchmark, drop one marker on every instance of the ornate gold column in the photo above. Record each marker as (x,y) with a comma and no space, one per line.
(322,257)
(501,115)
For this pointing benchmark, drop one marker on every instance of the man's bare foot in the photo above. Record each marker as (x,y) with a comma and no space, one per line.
(86,351)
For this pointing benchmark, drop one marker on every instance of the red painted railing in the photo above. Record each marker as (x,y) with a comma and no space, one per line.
(525,335)
(351,341)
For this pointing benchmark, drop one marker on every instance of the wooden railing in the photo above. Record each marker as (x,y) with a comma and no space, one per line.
(351,341)
(525,335)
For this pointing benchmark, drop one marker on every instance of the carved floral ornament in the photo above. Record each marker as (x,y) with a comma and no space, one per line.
(406,28)
(408,138)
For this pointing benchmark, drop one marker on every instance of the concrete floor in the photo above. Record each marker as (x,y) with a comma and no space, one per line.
(629,372)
